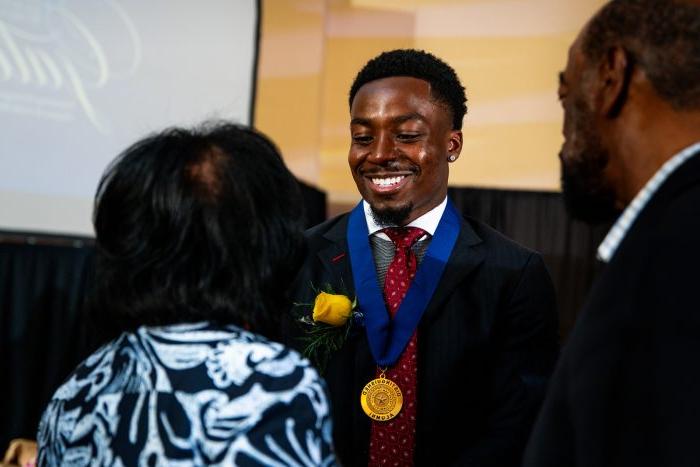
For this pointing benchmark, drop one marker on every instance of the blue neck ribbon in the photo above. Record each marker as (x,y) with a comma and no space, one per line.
(388,337)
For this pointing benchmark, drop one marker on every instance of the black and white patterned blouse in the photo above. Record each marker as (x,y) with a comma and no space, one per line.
(190,394)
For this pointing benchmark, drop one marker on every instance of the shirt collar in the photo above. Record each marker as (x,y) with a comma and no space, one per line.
(619,230)
(428,221)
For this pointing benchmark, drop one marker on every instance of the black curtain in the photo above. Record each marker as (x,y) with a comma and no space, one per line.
(314,204)
(42,336)
(538,220)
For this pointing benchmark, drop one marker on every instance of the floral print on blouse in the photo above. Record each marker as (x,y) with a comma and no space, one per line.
(190,394)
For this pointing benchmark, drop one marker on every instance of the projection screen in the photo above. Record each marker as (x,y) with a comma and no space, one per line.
(80,80)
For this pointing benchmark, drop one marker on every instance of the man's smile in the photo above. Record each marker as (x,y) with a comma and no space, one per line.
(387,183)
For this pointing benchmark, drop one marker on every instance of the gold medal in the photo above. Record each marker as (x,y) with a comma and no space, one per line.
(381,398)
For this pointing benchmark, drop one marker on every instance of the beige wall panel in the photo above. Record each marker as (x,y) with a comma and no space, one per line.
(344,20)
(508,156)
(288,101)
(292,15)
(291,119)
(502,18)
(500,67)
(293,100)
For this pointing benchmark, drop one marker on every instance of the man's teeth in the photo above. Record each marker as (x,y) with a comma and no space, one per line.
(387,181)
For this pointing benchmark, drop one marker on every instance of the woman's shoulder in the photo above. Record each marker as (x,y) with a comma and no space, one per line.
(184,357)
(220,381)
(245,359)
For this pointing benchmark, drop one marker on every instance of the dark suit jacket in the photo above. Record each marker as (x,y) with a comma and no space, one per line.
(627,389)
(487,343)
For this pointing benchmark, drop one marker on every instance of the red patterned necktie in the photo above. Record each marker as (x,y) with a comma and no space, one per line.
(392,442)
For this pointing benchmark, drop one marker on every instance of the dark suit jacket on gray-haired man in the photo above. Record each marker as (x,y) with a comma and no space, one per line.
(453,373)
(625,392)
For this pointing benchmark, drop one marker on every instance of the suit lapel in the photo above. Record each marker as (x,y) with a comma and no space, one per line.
(468,253)
(335,258)
(355,364)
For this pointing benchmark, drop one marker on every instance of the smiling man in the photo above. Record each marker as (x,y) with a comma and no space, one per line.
(458,330)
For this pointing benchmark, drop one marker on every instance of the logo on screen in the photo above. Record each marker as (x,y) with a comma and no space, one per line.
(56,57)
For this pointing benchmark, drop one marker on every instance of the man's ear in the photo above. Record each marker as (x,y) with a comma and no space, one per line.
(454,145)
(614,72)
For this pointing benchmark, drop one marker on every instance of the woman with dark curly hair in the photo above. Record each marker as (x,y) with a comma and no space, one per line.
(197,234)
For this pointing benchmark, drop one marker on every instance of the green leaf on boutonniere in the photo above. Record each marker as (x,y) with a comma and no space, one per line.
(326,323)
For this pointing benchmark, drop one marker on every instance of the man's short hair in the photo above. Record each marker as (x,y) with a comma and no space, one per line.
(196,225)
(444,83)
(663,38)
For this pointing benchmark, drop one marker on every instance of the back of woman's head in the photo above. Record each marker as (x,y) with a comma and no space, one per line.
(194,225)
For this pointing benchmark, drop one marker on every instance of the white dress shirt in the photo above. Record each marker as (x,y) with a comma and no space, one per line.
(428,221)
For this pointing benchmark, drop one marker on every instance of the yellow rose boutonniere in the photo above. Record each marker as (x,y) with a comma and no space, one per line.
(332,309)
(328,325)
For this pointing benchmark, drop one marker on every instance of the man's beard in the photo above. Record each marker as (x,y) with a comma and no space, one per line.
(587,195)
(391,216)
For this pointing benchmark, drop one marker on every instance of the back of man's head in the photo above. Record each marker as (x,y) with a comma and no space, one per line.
(663,39)
(444,83)
(194,225)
